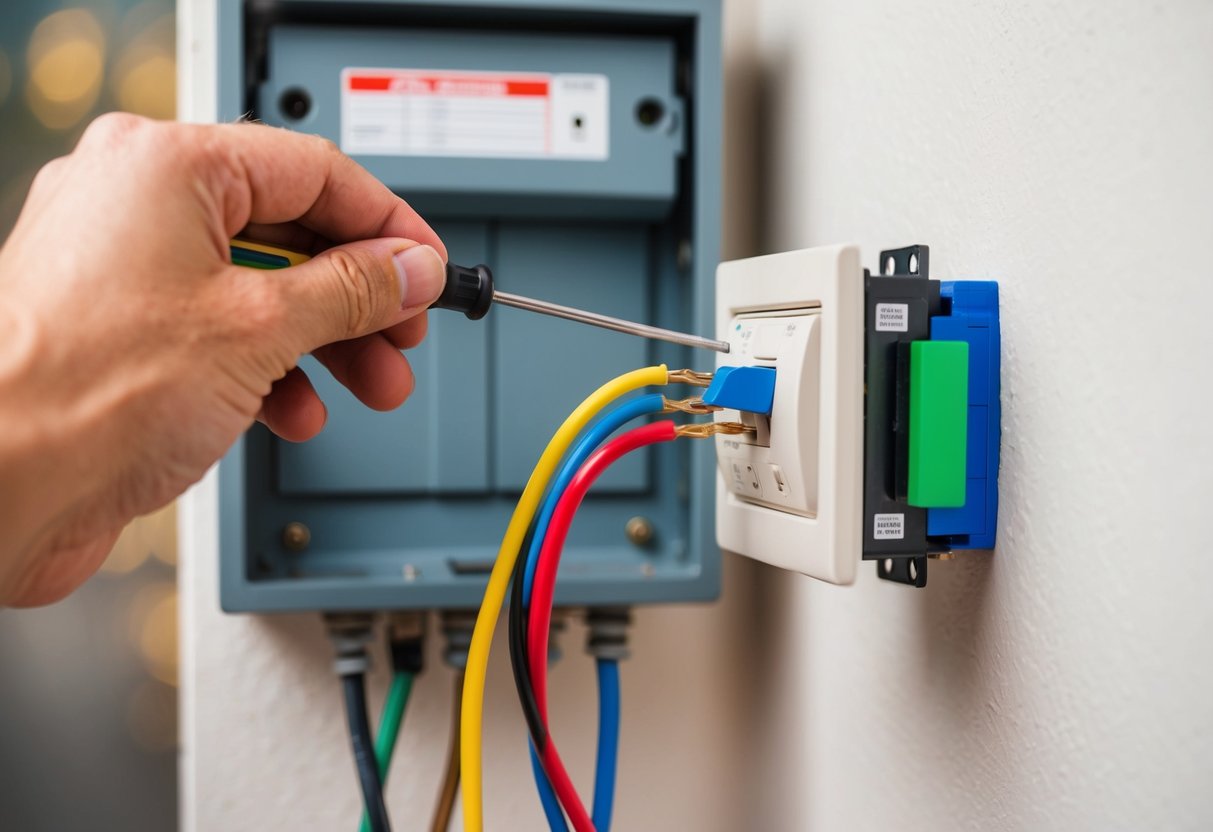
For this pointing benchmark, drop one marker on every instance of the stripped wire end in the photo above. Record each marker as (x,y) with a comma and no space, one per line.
(693,377)
(693,406)
(705,430)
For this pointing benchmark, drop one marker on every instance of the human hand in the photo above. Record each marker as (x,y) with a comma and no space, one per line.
(133,354)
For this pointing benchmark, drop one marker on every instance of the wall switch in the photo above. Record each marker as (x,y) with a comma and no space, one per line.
(792,494)
(880,441)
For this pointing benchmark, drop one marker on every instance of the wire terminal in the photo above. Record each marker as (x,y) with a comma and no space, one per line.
(694,406)
(693,377)
(704,430)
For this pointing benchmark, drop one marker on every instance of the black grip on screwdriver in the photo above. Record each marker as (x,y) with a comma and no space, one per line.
(468,290)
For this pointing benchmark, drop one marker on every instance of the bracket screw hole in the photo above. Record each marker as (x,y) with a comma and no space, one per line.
(889,265)
(295,103)
(649,111)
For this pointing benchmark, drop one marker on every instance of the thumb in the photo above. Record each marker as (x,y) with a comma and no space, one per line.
(359,288)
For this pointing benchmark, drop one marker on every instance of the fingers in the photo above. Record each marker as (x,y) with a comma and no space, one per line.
(372,369)
(406,335)
(290,176)
(356,289)
(292,409)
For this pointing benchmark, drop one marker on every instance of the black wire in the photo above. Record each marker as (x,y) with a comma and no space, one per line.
(353,686)
(520,654)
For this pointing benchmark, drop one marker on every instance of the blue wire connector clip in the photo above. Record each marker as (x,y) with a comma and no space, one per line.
(749,389)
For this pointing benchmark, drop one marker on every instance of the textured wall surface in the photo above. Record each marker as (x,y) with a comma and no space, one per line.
(1066,682)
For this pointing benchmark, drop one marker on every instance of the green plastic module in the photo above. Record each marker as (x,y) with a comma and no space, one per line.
(939,383)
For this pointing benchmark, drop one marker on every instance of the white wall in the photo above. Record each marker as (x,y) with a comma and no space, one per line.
(1066,682)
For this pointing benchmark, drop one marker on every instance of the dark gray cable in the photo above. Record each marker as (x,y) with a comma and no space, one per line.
(353,686)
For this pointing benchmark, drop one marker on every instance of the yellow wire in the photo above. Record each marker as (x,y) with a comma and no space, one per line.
(472,712)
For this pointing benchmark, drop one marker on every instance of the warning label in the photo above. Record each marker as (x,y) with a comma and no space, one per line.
(892,317)
(414,112)
(889,527)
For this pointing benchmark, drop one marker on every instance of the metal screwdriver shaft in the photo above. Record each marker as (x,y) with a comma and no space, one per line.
(607,322)
(469,289)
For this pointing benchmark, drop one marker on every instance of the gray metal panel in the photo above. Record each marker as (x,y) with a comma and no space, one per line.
(602,266)
(391,553)
(439,443)
(638,177)
(382,552)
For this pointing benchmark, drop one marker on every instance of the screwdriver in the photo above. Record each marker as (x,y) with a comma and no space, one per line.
(470,290)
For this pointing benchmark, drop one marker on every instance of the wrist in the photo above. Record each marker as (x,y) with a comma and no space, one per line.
(25,507)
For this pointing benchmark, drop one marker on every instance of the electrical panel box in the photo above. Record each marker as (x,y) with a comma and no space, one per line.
(572,146)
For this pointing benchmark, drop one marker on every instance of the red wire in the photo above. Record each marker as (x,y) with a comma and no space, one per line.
(544,589)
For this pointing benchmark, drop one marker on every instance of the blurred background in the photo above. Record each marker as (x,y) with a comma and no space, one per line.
(88,687)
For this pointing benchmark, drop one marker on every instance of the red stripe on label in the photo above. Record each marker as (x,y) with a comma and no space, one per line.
(461,85)
(526,87)
(370,82)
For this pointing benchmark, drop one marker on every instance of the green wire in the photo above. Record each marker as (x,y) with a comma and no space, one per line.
(389,728)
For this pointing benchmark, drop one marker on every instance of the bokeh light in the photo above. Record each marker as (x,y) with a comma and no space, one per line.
(154,535)
(145,74)
(148,87)
(152,625)
(66,61)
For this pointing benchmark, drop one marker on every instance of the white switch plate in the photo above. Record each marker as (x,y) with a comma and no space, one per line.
(792,495)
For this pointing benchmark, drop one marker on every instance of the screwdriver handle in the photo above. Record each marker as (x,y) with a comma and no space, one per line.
(468,289)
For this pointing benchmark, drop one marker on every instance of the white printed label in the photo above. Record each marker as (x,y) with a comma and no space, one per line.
(889,527)
(892,317)
(415,112)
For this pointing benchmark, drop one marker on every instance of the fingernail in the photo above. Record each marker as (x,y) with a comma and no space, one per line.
(421,274)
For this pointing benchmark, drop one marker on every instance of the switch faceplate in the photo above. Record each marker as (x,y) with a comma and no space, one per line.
(792,494)
(772,466)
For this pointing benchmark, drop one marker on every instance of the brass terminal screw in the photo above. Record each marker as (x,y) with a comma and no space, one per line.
(296,536)
(640,531)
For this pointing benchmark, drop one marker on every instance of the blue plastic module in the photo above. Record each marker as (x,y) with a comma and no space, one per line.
(971,314)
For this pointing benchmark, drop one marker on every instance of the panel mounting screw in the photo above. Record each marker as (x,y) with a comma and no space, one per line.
(685,254)
(640,531)
(296,536)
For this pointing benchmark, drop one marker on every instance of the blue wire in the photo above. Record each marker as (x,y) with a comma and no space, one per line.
(551,806)
(608,743)
(604,777)
(598,433)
